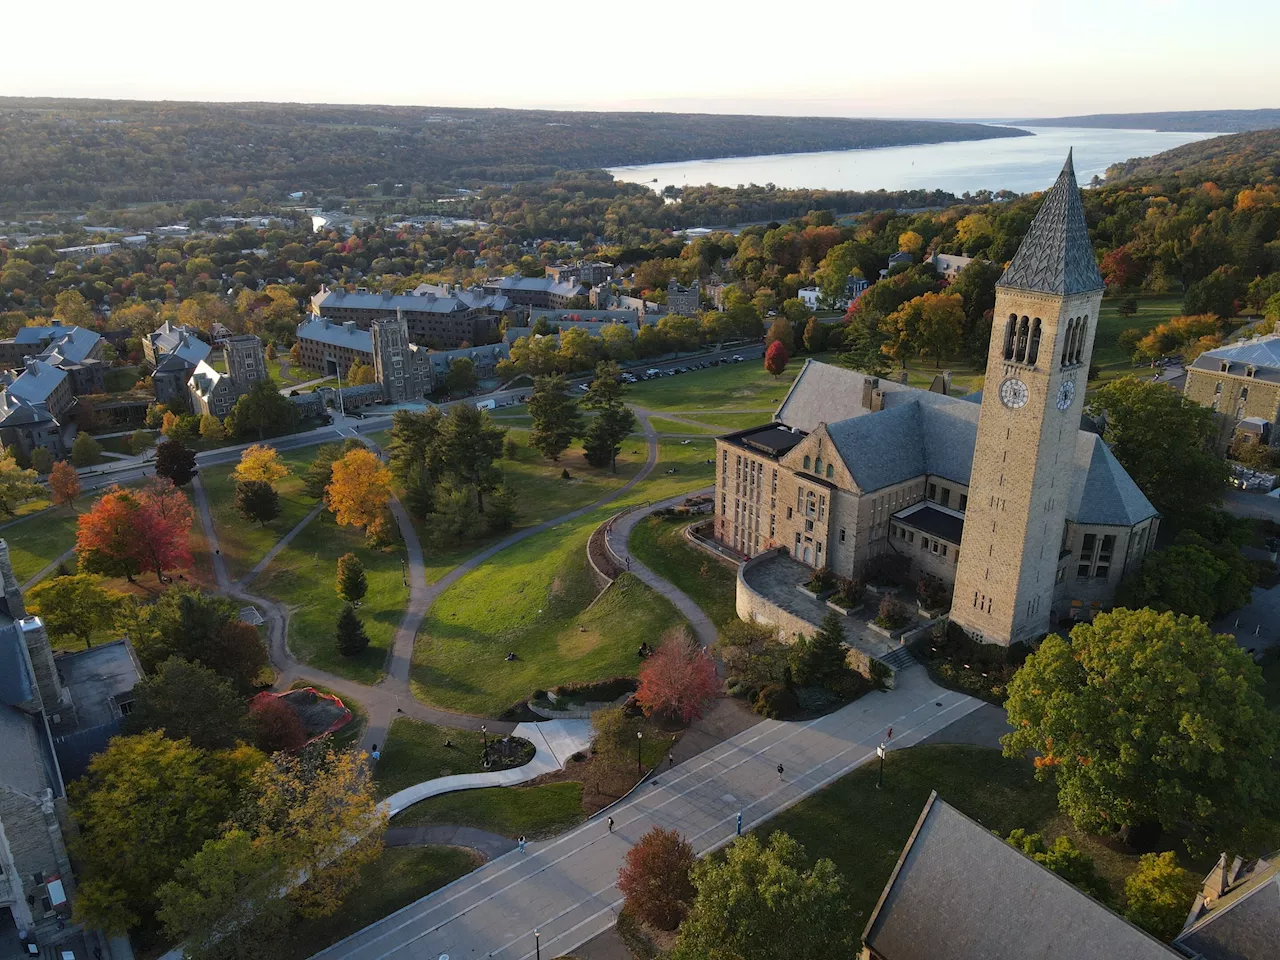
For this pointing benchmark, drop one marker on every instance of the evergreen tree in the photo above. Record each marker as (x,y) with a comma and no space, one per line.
(503,510)
(602,441)
(352,583)
(414,443)
(821,659)
(469,444)
(352,640)
(555,415)
(419,492)
(260,410)
(41,460)
(175,462)
(257,501)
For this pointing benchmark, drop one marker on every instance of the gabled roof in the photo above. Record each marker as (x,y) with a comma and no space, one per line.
(1056,256)
(36,382)
(1261,353)
(335,334)
(74,346)
(960,892)
(1103,492)
(1243,922)
(204,379)
(907,440)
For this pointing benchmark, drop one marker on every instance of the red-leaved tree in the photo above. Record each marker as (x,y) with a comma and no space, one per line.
(276,725)
(164,527)
(106,535)
(775,358)
(679,680)
(655,878)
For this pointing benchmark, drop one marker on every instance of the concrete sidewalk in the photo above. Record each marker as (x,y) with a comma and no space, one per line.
(554,741)
(565,887)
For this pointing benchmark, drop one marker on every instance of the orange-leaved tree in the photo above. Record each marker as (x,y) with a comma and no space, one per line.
(679,680)
(358,489)
(106,535)
(260,462)
(164,527)
(64,483)
(655,878)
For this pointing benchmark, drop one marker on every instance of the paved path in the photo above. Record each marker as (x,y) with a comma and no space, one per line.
(488,845)
(48,569)
(554,741)
(283,542)
(565,887)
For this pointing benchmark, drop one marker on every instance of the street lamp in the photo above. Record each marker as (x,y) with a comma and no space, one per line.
(537,943)
(639,741)
(880,752)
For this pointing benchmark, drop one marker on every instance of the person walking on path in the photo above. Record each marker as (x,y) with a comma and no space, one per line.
(522,841)
(375,753)
(610,819)
(779,773)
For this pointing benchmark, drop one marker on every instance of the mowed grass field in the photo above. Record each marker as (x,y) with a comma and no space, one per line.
(535,812)
(728,387)
(415,751)
(531,599)
(243,544)
(37,540)
(659,543)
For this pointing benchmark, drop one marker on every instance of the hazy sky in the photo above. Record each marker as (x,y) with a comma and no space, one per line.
(1000,58)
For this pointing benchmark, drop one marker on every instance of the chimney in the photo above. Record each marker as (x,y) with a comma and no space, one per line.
(386,294)
(55,322)
(349,326)
(12,591)
(877,400)
(869,387)
(325,321)
(31,365)
(339,292)
(46,671)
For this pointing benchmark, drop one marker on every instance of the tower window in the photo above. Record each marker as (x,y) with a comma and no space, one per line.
(1066,342)
(817,466)
(1033,349)
(1010,329)
(1020,352)
(1080,332)
(831,471)
(807,463)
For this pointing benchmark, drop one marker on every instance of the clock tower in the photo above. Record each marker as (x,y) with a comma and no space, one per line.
(1042,332)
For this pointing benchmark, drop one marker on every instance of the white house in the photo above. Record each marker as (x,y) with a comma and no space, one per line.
(809,297)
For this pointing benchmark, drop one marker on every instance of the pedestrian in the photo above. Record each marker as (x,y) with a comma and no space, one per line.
(779,773)
(611,824)
(739,823)
(375,753)
(521,840)
(628,563)
(671,760)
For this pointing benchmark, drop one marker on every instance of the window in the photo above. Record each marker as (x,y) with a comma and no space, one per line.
(126,707)
(964,501)
(1010,328)
(946,496)
(807,461)
(1080,332)
(1020,351)
(842,534)
(788,513)
(831,471)
(933,491)
(808,526)
(817,466)
(1033,349)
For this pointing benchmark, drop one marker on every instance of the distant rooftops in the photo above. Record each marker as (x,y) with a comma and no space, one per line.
(426,298)
(1259,358)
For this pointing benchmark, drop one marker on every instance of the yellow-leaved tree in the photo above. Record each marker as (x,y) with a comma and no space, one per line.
(358,490)
(260,462)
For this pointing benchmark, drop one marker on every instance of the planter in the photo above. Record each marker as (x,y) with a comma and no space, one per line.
(847,611)
(815,596)
(930,613)
(893,634)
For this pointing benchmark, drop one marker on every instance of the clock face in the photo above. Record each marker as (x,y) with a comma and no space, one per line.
(1014,393)
(1066,393)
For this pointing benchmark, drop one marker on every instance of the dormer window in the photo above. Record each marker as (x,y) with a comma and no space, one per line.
(1251,371)
(1224,366)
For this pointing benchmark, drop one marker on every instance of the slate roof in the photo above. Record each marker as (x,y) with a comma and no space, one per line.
(74,346)
(905,441)
(43,334)
(15,677)
(1243,923)
(486,355)
(934,520)
(1103,492)
(1261,353)
(169,336)
(204,379)
(960,892)
(1056,256)
(565,288)
(336,334)
(25,763)
(407,302)
(37,381)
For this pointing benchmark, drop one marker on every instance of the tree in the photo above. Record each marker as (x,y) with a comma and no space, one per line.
(352,583)
(203,628)
(775,358)
(1127,306)
(183,428)
(910,242)
(359,489)
(469,445)
(260,462)
(1194,576)
(1149,718)
(602,441)
(211,428)
(163,528)
(17,485)
(419,496)
(820,660)
(655,878)
(504,509)
(85,451)
(175,462)
(1165,442)
(679,679)
(320,470)
(70,307)
(1158,895)
(74,607)
(615,732)
(106,535)
(415,443)
(360,374)
(815,336)
(187,700)
(1065,859)
(148,803)
(350,636)
(555,415)
(139,440)
(64,483)
(276,725)
(257,501)
(780,332)
(41,461)
(260,410)
(455,517)
(461,378)
(1217,293)
(756,897)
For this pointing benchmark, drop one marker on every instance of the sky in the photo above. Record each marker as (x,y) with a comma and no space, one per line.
(870,58)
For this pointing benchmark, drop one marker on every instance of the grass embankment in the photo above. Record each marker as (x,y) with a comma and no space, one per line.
(665,426)
(242,543)
(415,752)
(864,829)
(728,422)
(302,577)
(727,387)
(531,599)
(396,879)
(37,540)
(683,466)
(659,543)
(540,811)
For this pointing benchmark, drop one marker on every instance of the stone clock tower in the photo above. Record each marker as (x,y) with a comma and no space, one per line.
(1042,332)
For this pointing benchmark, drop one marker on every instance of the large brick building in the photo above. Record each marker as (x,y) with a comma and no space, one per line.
(1240,383)
(442,317)
(1013,504)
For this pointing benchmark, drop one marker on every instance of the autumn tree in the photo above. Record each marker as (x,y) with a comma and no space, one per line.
(85,451)
(163,531)
(359,489)
(349,633)
(1149,718)
(1158,895)
(186,700)
(175,462)
(74,607)
(555,415)
(931,324)
(360,373)
(17,485)
(815,336)
(276,725)
(211,429)
(776,358)
(72,308)
(780,332)
(260,462)
(615,733)
(320,471)
(352,583)
(679,680)
(910,242)
(203,628)
(1165,443)
(655,878)
(106,535)
(756,897)
(257,501)
(64,484)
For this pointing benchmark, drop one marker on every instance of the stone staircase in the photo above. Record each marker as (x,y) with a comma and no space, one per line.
(900,659)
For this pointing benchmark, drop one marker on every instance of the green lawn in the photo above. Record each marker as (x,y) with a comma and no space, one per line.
(663,425)
(40,539)
(864,829)
(415,752)
(689,461)
(120,379)
(1111,361)
(540,811)
(735,421)
(396,879)
(659,543)
(302,577)
(121,444)
(726,387)
(530,599)
(243,544)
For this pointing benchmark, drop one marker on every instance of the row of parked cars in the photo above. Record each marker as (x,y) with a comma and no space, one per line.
(653,372)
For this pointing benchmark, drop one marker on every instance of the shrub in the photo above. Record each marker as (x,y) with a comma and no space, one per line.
(931,592)
(1159,894)
(822,581)
(888,569)
(849,591)
(892,613)
(776,702)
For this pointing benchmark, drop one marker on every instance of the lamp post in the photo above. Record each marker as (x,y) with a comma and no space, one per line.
(484,732)
(537,943)
(880,752)
(639,741)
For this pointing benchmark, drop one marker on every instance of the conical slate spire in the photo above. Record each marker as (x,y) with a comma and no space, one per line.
(1056,256)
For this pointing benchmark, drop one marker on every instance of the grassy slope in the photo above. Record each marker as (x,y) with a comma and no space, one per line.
(415,752)
(539,811)
(734,421)
(302,576)
(659,543)
(731,386)
(531,599)
(38,540)
(1107,355)
(244,544)
(663,425)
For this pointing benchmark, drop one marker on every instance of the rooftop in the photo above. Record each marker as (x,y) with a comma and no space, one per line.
(934,520)
(335,334)
(36,382)
(1240,920)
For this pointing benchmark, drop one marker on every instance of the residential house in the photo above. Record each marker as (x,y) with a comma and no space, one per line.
(948,265)
(809,296)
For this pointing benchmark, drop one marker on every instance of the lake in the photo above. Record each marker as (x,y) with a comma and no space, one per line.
(1021,164)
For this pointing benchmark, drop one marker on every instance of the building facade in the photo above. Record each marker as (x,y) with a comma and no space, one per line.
(441,317)
(210,391)
(683,301)
(1239,382)
(401,368)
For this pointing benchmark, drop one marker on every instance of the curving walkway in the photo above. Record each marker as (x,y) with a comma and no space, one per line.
(488,845)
